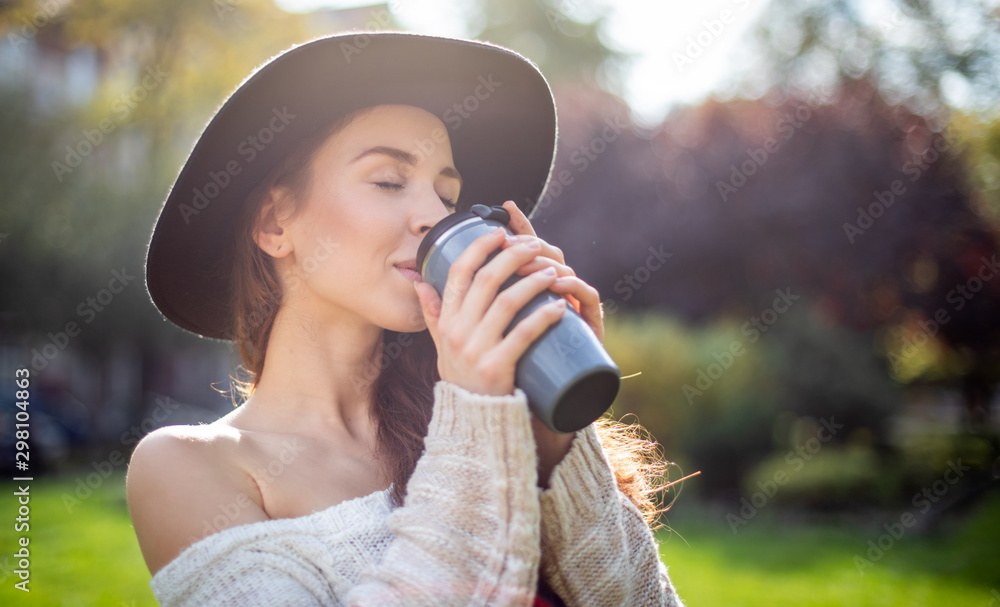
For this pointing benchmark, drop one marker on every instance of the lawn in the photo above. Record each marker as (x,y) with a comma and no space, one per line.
(86,554)
(770,562)
(83,552)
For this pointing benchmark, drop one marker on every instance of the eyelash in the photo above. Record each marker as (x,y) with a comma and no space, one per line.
(395,187)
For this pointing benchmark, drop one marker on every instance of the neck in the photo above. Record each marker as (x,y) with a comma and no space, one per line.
(319,374)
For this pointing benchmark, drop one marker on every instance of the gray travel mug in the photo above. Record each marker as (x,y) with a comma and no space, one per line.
(567,375)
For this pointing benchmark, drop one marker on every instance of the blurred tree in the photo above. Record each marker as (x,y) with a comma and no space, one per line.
(728,202)
(929,54)
(858,207)
(85,179)
(202,49)
(549,33)
(979,136)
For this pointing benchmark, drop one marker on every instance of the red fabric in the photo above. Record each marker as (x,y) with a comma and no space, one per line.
(546,597)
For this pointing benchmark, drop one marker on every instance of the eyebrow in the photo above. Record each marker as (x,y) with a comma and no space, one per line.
(404,157)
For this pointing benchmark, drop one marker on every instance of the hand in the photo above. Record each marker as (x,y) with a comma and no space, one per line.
(583,297)
(467,324)
(553,446)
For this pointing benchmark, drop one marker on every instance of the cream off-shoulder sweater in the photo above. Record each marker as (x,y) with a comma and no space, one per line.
(474,529)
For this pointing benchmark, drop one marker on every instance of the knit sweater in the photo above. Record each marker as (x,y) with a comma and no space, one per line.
(474,529)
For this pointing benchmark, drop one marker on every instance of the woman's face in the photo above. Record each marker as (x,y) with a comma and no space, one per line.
(377,186)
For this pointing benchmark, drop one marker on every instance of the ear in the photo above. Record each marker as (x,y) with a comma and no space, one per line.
(270,231)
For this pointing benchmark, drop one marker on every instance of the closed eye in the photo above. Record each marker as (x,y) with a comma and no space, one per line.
(389,186)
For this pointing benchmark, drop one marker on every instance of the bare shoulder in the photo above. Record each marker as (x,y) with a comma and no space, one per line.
(185,483)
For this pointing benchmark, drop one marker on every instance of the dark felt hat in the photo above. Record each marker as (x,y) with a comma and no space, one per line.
(496,105)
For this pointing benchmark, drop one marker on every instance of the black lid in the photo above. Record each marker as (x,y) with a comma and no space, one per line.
(496,213)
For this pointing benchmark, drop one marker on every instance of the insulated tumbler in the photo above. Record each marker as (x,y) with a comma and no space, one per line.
(568,377)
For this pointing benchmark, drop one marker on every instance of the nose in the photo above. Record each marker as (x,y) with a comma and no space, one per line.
(428,211)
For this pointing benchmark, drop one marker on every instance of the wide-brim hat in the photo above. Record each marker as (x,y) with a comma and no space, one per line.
(497,107)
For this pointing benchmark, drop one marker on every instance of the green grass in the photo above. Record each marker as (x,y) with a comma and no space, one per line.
(770,563)
(89,556)
(83,555)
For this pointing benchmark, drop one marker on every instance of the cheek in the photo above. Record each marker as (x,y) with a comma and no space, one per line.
(348,236)
(347,252)
(324,232)
(319,246)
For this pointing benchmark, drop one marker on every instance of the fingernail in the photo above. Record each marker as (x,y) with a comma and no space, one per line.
(534,244)
(549,271)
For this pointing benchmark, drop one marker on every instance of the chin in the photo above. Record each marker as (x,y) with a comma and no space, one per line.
(410,320)
(406,327)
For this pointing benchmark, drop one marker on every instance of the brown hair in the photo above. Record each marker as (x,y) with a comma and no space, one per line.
(402,392)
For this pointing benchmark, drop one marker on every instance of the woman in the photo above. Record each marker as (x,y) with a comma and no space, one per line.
(383,455)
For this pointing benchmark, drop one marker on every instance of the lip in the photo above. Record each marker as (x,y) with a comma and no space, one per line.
(410,275)
(408,269)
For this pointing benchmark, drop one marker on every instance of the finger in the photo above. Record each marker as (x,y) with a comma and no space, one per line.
(530,328)
(488,280)
(547,250)
(506,305)
(540,263)
(575,286)
(430,306)
(519,223)
(573,301)
(589,301)
(465,267)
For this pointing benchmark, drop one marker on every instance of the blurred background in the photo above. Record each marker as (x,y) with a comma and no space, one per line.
(791,209)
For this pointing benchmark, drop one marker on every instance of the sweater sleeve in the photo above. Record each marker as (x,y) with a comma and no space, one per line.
(597,549)
(468,531)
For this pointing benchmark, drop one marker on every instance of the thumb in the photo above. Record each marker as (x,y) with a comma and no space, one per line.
(430,304)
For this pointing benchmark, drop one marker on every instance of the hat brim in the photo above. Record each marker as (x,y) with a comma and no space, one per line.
(496,105)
